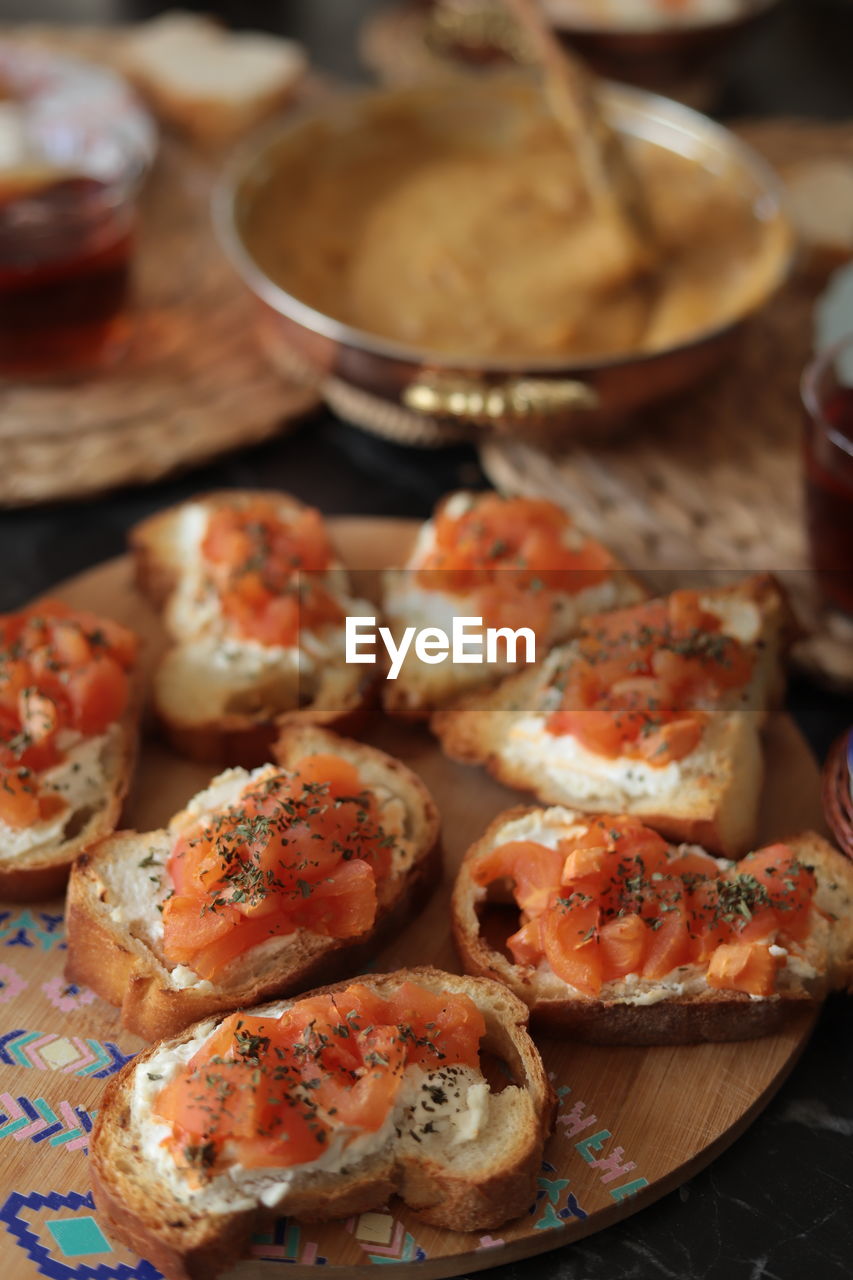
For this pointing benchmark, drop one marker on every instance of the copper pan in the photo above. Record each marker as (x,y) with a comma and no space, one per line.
(514,395)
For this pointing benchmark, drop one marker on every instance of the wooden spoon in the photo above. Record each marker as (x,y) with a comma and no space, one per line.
(570,90)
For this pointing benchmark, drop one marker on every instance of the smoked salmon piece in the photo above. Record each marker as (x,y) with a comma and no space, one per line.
(614,899)
(267,1091)
(513,556)
(64,674)
(303,849)
(641,678)
(268,571)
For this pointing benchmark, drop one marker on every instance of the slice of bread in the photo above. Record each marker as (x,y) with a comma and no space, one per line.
(682,1008)
(210,83)
(41,871)
(710,797)
(472,1185)
(115,933)
(94,776)
(420,689)
(219,699)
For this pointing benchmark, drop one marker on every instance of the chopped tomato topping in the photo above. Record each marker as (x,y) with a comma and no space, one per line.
(268,571)
(300,849)
(63,675)
(640,681)
(614,899)
(268,1091)
(515,556)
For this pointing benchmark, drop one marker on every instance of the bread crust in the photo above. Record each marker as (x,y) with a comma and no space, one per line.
(193,1247)
(46,876)
(709,1015)
(233,737)
(135,980)
(235,740)
(717,808)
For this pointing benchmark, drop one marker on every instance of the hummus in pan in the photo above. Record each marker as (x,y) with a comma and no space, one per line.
(470,233)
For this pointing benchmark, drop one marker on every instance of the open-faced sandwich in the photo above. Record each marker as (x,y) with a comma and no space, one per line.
(320,1109)
(515,563)
(267,883)
(653,710)
(611,934)
(254,601)
(68,729)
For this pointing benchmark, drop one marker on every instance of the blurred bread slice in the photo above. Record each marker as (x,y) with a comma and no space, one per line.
(820,204)
(210,83)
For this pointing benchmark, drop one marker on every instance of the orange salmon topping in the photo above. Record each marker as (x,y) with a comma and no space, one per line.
(642,679)
(266,1091)
(62,672)
(616,899)
(266,570)
(301,849)
(515,555)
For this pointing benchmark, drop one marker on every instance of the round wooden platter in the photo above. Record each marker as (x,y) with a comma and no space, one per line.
(633,1123)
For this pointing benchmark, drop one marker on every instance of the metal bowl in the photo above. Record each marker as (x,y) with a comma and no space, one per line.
(509,393)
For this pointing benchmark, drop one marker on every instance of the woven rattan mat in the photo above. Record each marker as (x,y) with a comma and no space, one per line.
(193,381)
(713,480)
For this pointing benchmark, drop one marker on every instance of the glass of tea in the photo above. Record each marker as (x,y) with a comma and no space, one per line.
(74,146)
(827,391)
(65,257)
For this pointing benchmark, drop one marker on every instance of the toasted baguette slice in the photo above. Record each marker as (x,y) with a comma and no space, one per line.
(219,699)
(710,797)
(682,1008)
(471,1185)
(114,928)
(94,777)
(41,871)
(208,82)
(420,689)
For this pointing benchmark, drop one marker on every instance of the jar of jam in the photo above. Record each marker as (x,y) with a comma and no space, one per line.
(827,391)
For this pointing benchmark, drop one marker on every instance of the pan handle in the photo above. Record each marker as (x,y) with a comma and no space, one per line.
(517,399)
(488,26)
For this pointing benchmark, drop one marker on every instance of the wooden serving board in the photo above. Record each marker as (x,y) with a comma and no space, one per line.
(633,1123)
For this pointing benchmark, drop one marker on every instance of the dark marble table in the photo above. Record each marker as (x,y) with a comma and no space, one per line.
(777,1204)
